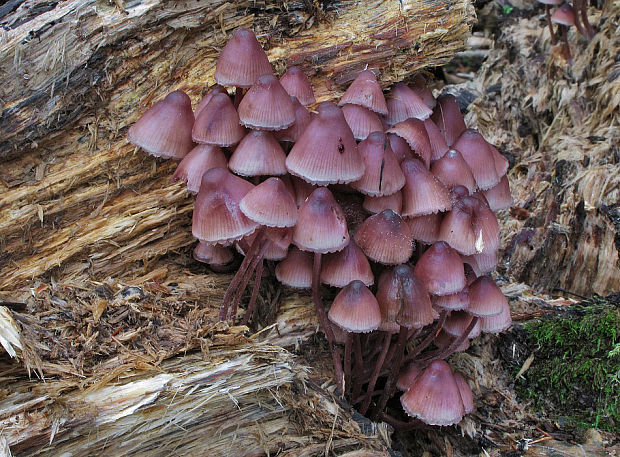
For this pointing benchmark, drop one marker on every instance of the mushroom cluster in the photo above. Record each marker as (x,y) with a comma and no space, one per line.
(388,197)
(567,16)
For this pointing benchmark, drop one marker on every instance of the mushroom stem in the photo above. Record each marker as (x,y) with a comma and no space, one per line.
(359,366)
(588,31)
(375,374)
(390,384)
(257,278)
(548,14)
(432,333)
(565,45)
(577,5)
(320,310)
(234,284)
(239,93)
(414,424)
(449,350)
(247,275)
(347,361)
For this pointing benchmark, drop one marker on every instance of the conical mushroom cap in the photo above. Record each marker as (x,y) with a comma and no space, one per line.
(486,298)
(499,196)
(195,164)
(476,152)
(326,153)
(217,217)
(457,227)
(421,89)
(213,254)
(416,310)
(296,269)
(414,133)
(441,269)
(355,309)
(382,173)
(362,121)
(258,154)
(242,61)
(403,104)
(165,130)
(365,91)
(438,143)
(434,396)
(452,302)
(385,238)
(425,228)
(322,226)
(458,321)
(214,90)
(296,84)
(498,323)
(466,394)
(303,117)
(423,193)
(270,204)
(218,123)
(564,15)
(377,204)
(407,376)
(340,268)
(267,106)
(452,171)
(448,118)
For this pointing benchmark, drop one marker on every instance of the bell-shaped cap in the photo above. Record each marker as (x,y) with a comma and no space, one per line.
(499,196)
(326,153)
(425,228)
(213,254)
(421,89)
(501,162)
(498,323)
(242,61)
(486,298)
(362,121)
(218,123)
(303,117)
(217,217)
(400,147)
(435,137)
(457,227)
(279,238)
(259,153)
(195,164)
(448,118)
(296,84)
(422,193)
(403,104)
(382,173)
(452,302)
(476,152)
(321,226)
(267,106)
(165,130)
(375,205)
(486,227)
(296,269)
(564,15)
(434,396)
(441,270)
(355,309)
(385,238)
(452,170)
(416,310)
(340,268)
(270,204)
(466,394)
(213,90)
(458,321)
(482,263)
(414,133)
(365,91)
(407,376)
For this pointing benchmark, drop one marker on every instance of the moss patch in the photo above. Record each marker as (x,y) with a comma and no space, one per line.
(576,368)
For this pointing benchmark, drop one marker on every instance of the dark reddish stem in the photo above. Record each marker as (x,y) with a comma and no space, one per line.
(565,45)
(450,348)
(428,340)
(390,384)
(234,284)
(577,6)
(320,310)
(414,424)
(247,275)
(551,32)
(257,278)
(375,374)
(347,361)
(359,366)
(587,27)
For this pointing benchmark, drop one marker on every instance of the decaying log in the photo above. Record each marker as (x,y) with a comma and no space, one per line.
(76,199)
(559,125)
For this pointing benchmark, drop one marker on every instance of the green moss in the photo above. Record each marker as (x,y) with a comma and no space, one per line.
(576,368)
